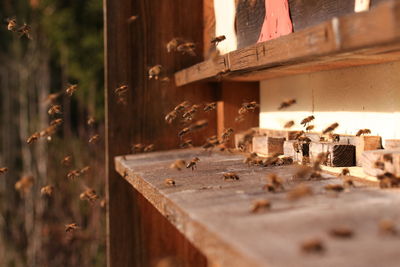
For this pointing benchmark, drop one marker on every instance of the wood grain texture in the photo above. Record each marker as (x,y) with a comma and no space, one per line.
(352,40)
(249,21)
(215,214)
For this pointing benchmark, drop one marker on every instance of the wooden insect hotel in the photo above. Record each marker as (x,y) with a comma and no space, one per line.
(253,132)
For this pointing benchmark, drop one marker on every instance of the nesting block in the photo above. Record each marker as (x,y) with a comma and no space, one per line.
(392,144)
(340,155)
(290,151)
(265,145)
(369,158)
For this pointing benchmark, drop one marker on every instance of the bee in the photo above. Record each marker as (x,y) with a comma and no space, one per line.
(181,106)
(275,183)
(103,203)
(48,132)
(11,24)
(363,131)
(218,39)
(322,159)
(73,174)
(3,170)
(287,103)
(33,138)
(388,180)
(54,109)
(149,148)
(388,158)
(121,91)
(71,89)
(314,245)
(172,45)
(334,137)
(51,98)
(341,232)
(230,176)
(210,106)
(260,205)
(331,128)
(24,185)
(310,128)
(66,161)
(132,19)
(170,182)
(91,121)
(25,30)
(211,142)
(187,48)
(299,191)
(170,117)
(189,114)
(198,125)
(47,190)
(184,131)
(71,227)
(193,163)
(345,172)
(154,72)
(297,135)
(56,122)
(249,106)
(334,187)
(84,170)
(94,139)
(307,120)
(89,195)
(387,227)
(227,134)
(379,165)
(302,172)
(187,143)
(178,164)
(289,124)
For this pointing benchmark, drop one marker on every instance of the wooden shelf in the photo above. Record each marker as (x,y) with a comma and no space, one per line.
(365,38)
(214,214)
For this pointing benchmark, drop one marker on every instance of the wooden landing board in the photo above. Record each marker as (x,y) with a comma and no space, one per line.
(214,214)
(365,38)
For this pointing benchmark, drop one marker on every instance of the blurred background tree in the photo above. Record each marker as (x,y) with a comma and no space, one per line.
(66,48)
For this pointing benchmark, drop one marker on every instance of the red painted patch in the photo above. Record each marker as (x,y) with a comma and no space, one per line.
(277,20)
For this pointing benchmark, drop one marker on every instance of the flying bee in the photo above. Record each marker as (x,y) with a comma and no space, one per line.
(170,117)
(331,128)
(363,131)
(227,134)
(314,245)
(25,30)
(89,195)
(84,170)
(334,187)
(103,203)
(33,138)
(51,98)
(154,72)
(299,191)
(275,183)
(178,164)
(182,106)
(230,176)
(187,143)
(48,132)
(24,185)
(12,24)
(71,89)
(189,114)
(218,39)
(132,19)
(187,48)
(172,45)
(56,122)
(149,148)
(170,182)
(137,148)
(47,190)
(184,131)
(198,125)
(289,124)
(54,109)
(94,139)
(91,121)
(73,174)
(210,106)
(211,142)
(71,227)
(310,128)
(287,103)
(341,232)
(387,227)
(260,205)
(66,161)
(122,90)
(3,170)
(334,137)
(307,120)
(193,163)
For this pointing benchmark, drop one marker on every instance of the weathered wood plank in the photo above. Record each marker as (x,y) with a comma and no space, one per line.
(215,214)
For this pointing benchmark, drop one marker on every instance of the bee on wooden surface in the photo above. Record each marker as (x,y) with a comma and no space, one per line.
(91,121)
(230,176)
(47,190)
(388,180)
(334,187)
(210,106)
(12,24)
(54,109)
(170,182)
(66,161)
(379,165)
(345,171)
(25,30)
(132,19)
(314,245)
(287,103)
(288,125)
(363,131)
(218,39)
(388,158)
(275,183)
(341,232)
(94,139)
(249,159)
(334,137)
(170,117)
(56,122)
(178,164)
(182,106)
(71,89)
(154,72)
(193,163)
(331,128)
(71,175)
(33,138)
(187,48)
(387,227)
(260,205)
(307,120)
(24,185)
(71,227)
(299,191)
(89,195)
(310,128)
(227,134)
(172,45)
(3,170)
(149,148)
(186,143)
